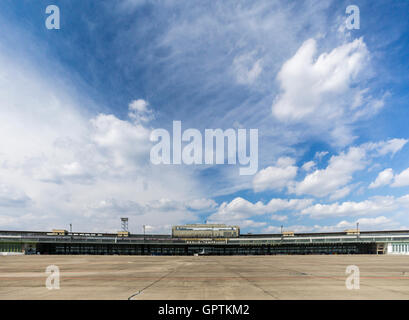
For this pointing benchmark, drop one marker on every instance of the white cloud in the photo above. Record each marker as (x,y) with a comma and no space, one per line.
(340,193)
(246,68)
(250,224)
(294,228)
(114,207)
(308,166)
(333,180)
(125,143)
(11,197)
(337,174)
(201,204)
(305,80)
(240,209)
(275,205)
(383,178)
(139,111)
(138,105)
(320,155)
(350,208)
(401,179)
(64,165)
(376,223)
(392,146)
(324,91)
(387,177)
(160,213)
(389,146)
(275,177)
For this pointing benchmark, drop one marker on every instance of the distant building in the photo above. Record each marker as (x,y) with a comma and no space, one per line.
(205,231)
(206,239)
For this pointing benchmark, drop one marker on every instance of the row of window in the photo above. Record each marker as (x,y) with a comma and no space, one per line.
(10,247)
(207,250)
(400,247)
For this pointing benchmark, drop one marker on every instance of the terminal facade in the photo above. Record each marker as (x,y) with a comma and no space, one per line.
(204,239)
(205,231)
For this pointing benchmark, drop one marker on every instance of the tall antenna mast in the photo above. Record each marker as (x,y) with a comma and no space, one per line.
(124,224)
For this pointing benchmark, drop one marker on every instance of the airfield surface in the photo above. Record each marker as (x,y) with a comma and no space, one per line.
(205,277)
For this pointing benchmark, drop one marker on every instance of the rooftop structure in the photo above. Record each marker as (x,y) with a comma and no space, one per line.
(205,231)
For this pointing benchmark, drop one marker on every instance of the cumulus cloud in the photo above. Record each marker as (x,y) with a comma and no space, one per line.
(387,177)
(383,178)
(340,193)
(160,214)
(324,91)
(139,111)
(375,223)
(125,143)
(275,177)
(240,209)
(351,208)
(337,174)
(306,81)
(71,166)
(105,146)
(334,179)
(401,179)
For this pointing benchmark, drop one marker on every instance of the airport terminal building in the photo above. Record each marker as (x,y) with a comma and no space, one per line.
(206,239)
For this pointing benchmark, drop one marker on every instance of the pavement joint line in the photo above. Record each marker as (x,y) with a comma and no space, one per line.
(150,285)
(363,284)
(153,283)
(253,284)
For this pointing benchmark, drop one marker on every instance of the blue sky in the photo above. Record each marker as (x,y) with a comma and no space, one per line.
(330,104)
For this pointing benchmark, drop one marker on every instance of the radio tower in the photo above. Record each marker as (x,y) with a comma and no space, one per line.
(124,224)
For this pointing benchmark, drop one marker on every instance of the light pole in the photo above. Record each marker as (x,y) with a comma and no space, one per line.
(143,246)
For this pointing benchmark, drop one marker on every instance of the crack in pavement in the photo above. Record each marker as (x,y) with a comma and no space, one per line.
(150,285)
(249,281)
(154,282)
